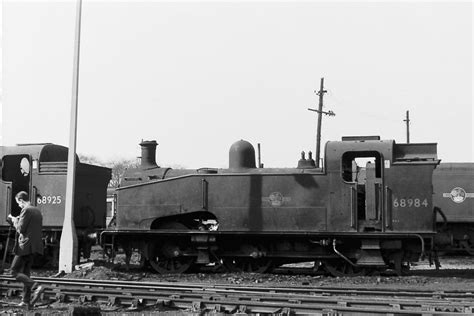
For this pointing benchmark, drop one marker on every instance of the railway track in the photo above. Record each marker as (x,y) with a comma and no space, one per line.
(221,298)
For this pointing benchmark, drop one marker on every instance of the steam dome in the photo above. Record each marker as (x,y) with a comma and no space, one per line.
(241,155)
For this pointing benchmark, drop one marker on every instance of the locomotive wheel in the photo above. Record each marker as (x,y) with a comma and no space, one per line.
(342,269)
(245,264)
(171,265)
(165,256)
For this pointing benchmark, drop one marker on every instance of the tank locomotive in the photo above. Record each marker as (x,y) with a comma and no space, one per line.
(41,170)
(369,208)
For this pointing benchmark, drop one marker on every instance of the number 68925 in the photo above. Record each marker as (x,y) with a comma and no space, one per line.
(49,199)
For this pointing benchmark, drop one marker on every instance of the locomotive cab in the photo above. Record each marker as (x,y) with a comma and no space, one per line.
(385,186)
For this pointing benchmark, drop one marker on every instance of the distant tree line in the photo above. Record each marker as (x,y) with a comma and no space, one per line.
(118,167)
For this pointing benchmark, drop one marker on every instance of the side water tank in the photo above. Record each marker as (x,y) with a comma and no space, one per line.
(241,155)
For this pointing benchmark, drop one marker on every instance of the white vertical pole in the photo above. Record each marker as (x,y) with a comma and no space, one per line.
(1,81)
(68,245)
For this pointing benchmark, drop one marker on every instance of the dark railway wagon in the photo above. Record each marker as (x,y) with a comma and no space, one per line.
(41,170)
(454,201)
(369,208)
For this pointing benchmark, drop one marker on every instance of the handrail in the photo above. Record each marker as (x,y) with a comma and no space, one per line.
(9,199)
(354,207)
(33,199)
(388,208)
(204,193)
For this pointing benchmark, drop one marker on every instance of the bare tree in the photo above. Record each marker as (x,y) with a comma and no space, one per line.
(91,160)
(118,169)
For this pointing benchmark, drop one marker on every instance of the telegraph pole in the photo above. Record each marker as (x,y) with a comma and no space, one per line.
(320,112)
(408,126)
(68,243)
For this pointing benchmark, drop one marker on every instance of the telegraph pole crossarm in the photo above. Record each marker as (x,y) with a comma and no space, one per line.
(330,113)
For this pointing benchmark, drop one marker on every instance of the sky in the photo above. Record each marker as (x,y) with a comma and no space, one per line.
(198,76)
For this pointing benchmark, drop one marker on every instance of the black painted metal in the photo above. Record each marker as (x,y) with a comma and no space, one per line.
(278,214)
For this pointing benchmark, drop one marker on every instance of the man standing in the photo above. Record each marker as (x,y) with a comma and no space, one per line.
(29,226)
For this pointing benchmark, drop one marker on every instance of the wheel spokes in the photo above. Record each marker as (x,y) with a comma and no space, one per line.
(171,265)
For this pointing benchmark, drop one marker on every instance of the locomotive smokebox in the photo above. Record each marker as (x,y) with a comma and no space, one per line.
(148,154)
(241,155)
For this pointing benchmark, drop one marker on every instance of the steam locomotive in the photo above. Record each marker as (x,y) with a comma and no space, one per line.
(41,170)
(368,208)
(454,204)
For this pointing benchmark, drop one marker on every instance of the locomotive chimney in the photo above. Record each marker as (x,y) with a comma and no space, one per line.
(148,154)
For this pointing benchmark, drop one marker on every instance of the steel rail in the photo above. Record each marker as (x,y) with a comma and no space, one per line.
(324,291)
(240,298)
(359,291)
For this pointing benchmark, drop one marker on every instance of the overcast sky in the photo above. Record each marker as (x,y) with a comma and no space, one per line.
(198,76)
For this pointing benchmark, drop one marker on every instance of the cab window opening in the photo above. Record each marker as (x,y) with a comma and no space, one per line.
(363,171)
(354,165)
(16,169)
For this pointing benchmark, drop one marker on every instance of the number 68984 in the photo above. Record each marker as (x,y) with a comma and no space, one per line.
(410,202)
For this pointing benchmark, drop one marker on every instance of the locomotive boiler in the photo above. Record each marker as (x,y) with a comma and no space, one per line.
(41,170)
(369,208)
(454,202)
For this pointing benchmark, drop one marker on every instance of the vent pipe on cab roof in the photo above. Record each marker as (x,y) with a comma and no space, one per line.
(148,154)
(359,138)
